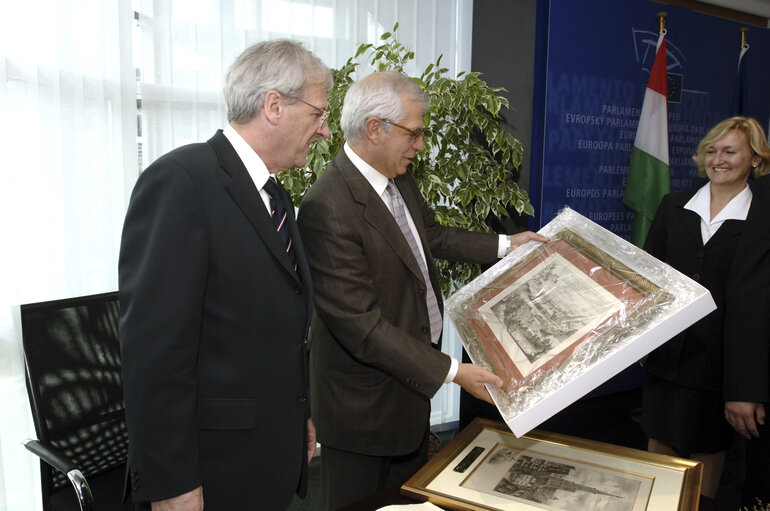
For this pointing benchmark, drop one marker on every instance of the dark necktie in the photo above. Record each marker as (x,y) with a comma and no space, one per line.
(278,211)
(399,213)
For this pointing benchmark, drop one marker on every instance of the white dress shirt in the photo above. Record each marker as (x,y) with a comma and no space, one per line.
(736,209)
(251,160)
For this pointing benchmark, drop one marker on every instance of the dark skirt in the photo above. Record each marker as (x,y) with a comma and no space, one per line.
(691,421)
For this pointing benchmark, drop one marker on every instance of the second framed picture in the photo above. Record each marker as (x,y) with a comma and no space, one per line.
(486,467)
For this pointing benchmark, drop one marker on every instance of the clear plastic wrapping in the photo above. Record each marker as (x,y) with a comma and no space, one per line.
(555,320)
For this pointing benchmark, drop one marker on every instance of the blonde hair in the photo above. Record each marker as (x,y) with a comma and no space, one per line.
(755,136)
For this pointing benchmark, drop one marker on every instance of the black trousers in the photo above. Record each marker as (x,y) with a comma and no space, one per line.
(347,477)
(757,484)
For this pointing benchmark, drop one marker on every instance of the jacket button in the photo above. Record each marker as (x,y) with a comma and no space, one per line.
(696,276)
(421,292)
(700,254)
(298,290)
(302,399)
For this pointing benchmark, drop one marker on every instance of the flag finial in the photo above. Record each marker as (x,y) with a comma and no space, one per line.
(743,31)
(662,19)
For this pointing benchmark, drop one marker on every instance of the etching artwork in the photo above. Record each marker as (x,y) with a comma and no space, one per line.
(556,483)
(535,319)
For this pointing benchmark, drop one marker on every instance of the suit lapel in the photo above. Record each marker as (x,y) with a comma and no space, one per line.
(726,232)
(246,196)
(376,213)
(690,220)
(410,192)
(296,240)
(408,189)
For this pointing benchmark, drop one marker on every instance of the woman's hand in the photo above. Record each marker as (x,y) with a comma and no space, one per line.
(744,416)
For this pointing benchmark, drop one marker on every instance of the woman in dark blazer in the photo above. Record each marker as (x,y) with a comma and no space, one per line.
(749,292)
(697,232)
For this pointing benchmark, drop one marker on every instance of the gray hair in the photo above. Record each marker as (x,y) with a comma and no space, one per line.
(378,95)
(282,65)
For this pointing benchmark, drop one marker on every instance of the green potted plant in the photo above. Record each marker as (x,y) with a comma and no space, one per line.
(464,172)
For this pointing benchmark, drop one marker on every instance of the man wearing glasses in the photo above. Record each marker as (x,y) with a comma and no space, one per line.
(215,300)
(371,240)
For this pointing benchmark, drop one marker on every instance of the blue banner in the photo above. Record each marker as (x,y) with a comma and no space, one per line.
(594,60)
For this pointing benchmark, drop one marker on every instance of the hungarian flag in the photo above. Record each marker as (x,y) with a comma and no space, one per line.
(738,106)
(648,179)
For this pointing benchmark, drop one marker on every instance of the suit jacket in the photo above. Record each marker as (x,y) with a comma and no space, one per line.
(694,358)
(747,346)
(372,364)
(213,335)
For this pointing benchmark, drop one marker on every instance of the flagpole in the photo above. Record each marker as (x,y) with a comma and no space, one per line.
(743,31)
(648,177)
(738,102)
(744,43)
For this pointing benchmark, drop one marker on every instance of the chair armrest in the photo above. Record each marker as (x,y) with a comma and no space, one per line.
(62,463)
(50,455)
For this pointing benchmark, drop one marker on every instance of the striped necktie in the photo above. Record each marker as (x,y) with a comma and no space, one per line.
(278,211)
(399,213)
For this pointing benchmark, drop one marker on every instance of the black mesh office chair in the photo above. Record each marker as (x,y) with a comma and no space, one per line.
(75,388)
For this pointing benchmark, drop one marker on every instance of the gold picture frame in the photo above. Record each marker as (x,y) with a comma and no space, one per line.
(487,468)
(556,320)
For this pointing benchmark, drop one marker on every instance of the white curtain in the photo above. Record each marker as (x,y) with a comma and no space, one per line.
(68,138)
(92,91)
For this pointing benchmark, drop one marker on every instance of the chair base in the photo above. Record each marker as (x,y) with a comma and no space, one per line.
(106,487)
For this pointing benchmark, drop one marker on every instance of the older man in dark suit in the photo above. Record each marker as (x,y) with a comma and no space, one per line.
(215,300)
(370,240)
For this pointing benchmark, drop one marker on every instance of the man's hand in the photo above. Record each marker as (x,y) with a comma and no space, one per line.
(472,378)
(743,416)
(190,501)
(526,236)
(311,440)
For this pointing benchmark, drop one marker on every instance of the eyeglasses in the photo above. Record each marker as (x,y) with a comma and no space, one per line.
(415,134)
(324,113)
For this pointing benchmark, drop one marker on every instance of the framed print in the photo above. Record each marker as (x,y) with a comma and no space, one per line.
(540,310)
(555,320)
(486,467)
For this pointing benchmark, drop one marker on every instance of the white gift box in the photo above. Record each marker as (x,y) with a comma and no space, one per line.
(557,320)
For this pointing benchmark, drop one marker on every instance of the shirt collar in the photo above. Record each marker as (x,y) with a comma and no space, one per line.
(378,181)
(251,160)
(736,209)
